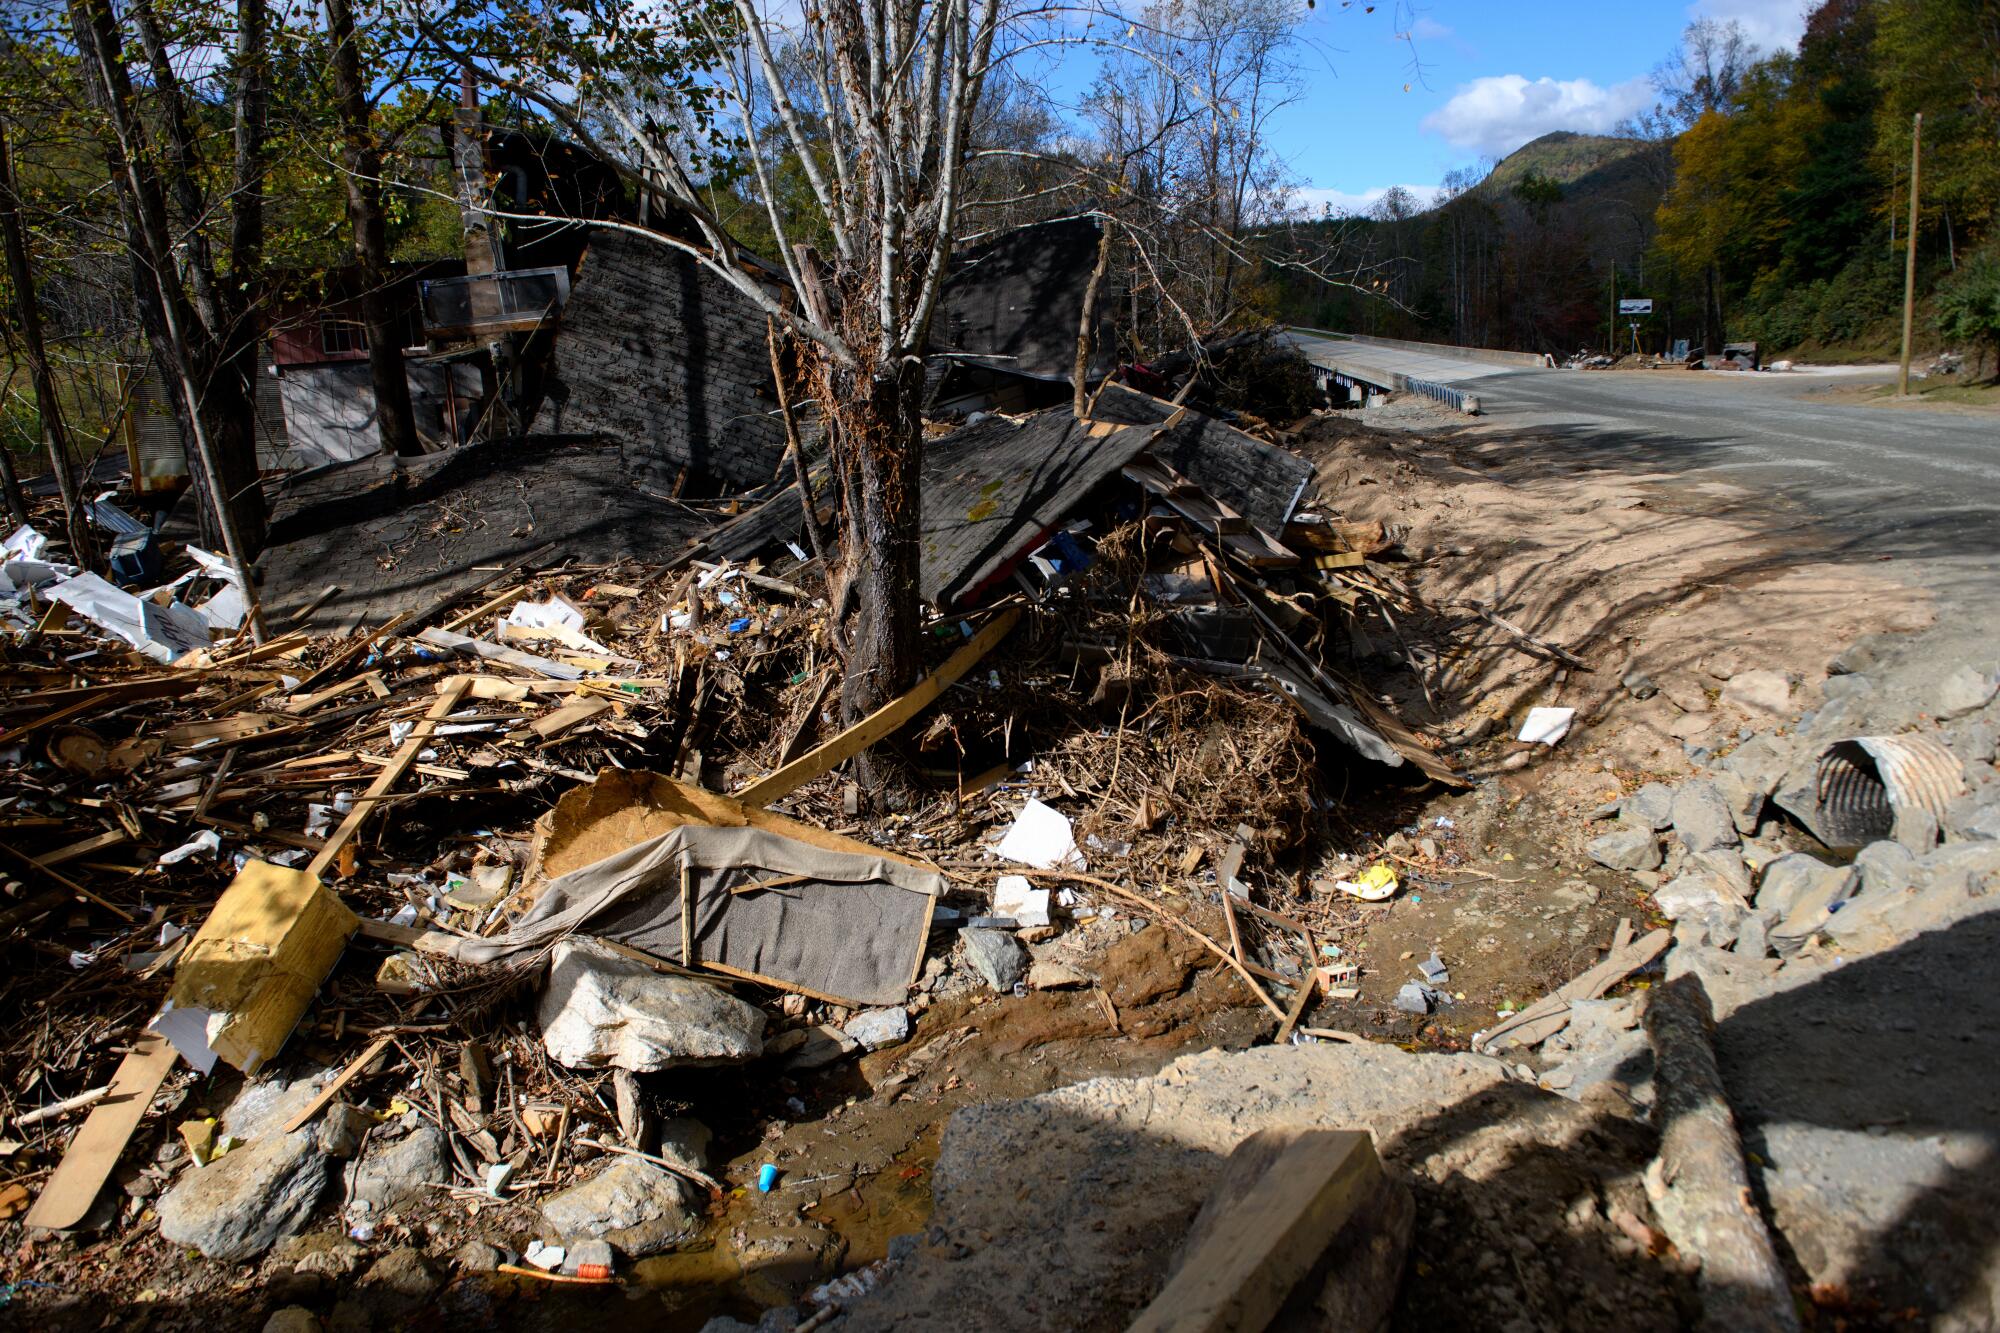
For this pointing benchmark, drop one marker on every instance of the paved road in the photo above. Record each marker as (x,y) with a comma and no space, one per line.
(1377,365)
(1894,481)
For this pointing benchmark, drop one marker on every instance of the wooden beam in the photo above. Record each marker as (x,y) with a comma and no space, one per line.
(884,721)
(398,763)
(1257,1248)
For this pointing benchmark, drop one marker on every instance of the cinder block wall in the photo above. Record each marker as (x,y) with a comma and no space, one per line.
(668,361)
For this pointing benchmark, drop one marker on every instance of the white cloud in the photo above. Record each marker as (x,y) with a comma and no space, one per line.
(1313,200)
(1771,24)
(1499,113)
(1429,28)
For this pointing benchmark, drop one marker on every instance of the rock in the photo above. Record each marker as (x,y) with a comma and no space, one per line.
(996,956)
(1690,727)
(1975,742)
(394,1171)
(292,1319)
(341,1128)
(1971,821)
(1626,849)
(1790,878)
(1696,895)
(1915,829)
(1727,865)
(1052,975)
(398,1285)
(1753,936)
(476,1256)
(263,1105)
(1639,685)
(1966,690)
(1884,867)
(1864,654)
(1847,687)
(1702,819)
(684,1142)
(876,1028)
(636,1206)
(327,1254)
(1685,695)
(1760,692)
(601,1008)
(812,1047)
(1650,807)
(1414,998)
(1812,910)
(244,1202)
(1745,802)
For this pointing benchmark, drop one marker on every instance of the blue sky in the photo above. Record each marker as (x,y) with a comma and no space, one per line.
(1494,74)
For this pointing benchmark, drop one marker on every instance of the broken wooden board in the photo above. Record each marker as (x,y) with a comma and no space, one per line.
(249,973)
(1550,1014)
(95,1150)
(884,721)
(1245,1258)
(572,714)
(493,652)
(453,690)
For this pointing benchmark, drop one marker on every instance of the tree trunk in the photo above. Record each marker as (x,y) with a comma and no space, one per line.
(214,408)
(875,437)
(362,167)
(28,320)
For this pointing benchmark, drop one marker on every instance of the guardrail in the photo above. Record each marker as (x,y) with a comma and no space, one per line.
(1467,403)
(1494,357)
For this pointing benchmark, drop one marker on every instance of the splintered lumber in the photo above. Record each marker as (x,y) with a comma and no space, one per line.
(883,721)
(1550,1014)
(1301,997)
(95,1150)
(454,690)
(1248,1255)
(249,973)
(1699,1185)
(341,1080)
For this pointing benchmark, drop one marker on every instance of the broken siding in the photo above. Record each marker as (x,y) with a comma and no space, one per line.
(1018,299)
(668,361)
(1260,481)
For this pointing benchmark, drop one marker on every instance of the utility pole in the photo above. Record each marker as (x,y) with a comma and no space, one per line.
(1611,314)
(1910,258)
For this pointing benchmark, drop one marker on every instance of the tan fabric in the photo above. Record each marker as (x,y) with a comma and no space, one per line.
(852,930)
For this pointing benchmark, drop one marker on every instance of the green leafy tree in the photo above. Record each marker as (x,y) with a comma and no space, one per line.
(1968,307)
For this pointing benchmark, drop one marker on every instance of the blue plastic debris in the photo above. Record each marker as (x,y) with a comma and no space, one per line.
(738,625)
(767,1178)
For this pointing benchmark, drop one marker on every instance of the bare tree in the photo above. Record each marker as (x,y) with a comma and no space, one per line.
(1705,73)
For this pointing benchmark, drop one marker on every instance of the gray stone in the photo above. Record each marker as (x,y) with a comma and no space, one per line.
(476,1256)
(636,1206)
(396,1286)
(684,1141)
(1414,998)
(1760,692)
(1915,829)
(1639,685)
(263,1105)
(997,956)
(599,1008)
(1791,877)
(1811,911)
(1727,865)
(1847,687)
(1695,895)
(1650,807)
(1885,866)
(1864,654)
(1760,762)
(1753,938)
(1966,690)
(1974,820)
(1975,742)
(341,1128)
(1702,818)
(394,1171)
(812,1047)
(876,1028)
(1626,849)
(326,1253)
(247,1200)
(1745,802)
(292,1319)
(1685,694)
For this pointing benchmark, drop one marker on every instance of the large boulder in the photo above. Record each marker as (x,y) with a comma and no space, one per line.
(1626,849)
(1702,817)
(250,1198)
(600,1008)
(634,1205)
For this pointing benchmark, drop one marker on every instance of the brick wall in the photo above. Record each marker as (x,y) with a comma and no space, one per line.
(669,362)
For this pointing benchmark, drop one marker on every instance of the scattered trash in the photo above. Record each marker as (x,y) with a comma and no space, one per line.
(1041,837)
(1372,885)
(1546,726)
(767,1178)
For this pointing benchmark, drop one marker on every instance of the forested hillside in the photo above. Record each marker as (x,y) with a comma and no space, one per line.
(1764,196)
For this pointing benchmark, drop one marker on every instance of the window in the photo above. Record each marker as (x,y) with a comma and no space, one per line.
(342,337)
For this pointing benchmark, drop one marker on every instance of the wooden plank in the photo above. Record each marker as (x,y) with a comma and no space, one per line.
(84,848)
(304,613)
(398,763)
(97,1146)
(341,1080)
(572,714)
(884,721)
(487,607)
(1300,1000)
(1258,1248)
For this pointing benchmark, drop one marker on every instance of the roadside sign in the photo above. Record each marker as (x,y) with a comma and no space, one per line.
(1640,305)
